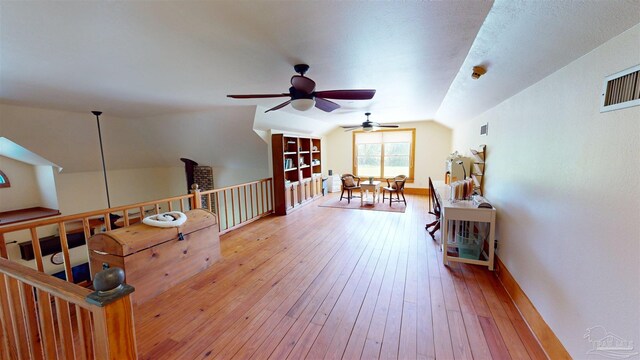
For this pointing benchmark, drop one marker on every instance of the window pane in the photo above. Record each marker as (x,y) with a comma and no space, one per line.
(397,148)
(369,156)
(396,165)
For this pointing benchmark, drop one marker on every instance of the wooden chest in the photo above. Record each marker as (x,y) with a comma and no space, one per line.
(156,259)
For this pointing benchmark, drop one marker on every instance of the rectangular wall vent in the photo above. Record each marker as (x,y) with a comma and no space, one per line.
(621,90)
(484,129)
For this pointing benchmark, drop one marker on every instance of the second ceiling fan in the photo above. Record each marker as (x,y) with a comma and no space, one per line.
(304,97)
(368,125)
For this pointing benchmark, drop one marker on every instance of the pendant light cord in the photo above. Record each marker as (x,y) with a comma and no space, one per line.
(104,168)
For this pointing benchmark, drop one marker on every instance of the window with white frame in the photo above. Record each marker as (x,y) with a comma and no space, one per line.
(383,153)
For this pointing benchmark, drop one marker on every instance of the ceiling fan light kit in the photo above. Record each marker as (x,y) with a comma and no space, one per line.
(368,126)
(303,104)
(304,97)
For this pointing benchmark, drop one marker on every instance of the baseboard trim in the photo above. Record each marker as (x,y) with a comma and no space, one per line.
(416,191)
(548,340)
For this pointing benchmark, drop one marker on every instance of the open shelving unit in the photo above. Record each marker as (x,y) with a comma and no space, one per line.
(297,171)
(477,168)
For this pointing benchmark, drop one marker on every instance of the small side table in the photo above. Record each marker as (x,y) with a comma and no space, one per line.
(373,187)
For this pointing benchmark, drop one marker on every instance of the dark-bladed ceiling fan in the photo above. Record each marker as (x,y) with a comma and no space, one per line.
(368,125)
(304,97)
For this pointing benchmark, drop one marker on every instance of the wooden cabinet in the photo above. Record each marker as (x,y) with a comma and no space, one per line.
(296,170)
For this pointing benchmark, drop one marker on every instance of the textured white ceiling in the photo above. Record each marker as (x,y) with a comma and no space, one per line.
(135,59)
(140,59)
(521,42)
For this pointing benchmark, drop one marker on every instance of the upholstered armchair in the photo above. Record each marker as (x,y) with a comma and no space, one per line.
(395,185)
(350,182)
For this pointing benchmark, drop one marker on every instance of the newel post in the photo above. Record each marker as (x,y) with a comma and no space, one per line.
(196,201)
(115,336)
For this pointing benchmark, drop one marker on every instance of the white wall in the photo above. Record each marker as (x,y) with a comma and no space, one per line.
(24,191)
(85,191)
(433,144)
(565,179)
(47,186)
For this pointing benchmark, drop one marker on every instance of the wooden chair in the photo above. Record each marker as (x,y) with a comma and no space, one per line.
(436,211)
(396,187)
(349,183)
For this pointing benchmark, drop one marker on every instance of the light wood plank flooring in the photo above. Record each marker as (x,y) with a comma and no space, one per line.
(335,283)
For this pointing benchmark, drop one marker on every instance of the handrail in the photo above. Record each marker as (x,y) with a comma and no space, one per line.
(57,287)
(87,214)
(235,206)
(30,328)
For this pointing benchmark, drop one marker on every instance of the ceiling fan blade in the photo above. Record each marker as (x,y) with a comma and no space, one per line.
(346,94)
(303,84)
(279,106)
(326,105)
(351,129)
(387,126)
(257,96)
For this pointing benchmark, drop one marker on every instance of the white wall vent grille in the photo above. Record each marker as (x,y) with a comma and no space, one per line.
(621,90)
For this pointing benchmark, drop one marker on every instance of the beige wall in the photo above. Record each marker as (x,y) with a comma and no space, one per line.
(433,144)
(565,179)
(24,191)
(85,191)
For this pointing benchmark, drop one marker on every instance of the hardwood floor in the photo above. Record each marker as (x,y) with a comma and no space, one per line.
(335,283)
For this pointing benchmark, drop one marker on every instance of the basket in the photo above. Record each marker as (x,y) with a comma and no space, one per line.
(469,245)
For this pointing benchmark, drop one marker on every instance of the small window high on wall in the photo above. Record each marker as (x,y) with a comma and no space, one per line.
(384,153)
(4,180)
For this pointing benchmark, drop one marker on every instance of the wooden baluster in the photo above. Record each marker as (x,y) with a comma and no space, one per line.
(209,202)
(217,195)
(271,192)
(37,251)
(181,205)
(86,228)
(83,316)
(126,217)
(64,328)
(107,221)
(47,329)
(246,212)
(226,209)
(16,318)
(3,247)
(31,321)
(233,209)
(170,206)
(251,199)
(9,340)
(65,251)
(262,197)
(4,341)
(157,208)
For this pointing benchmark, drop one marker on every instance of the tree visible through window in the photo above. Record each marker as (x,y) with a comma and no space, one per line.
(4,180)
(384,153)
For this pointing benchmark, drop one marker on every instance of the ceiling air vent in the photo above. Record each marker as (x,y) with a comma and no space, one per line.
(621,90)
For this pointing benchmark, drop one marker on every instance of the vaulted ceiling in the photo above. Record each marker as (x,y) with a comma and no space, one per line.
(150,59)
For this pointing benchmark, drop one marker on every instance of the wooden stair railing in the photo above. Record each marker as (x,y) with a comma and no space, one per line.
(43,317)
(235,206)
